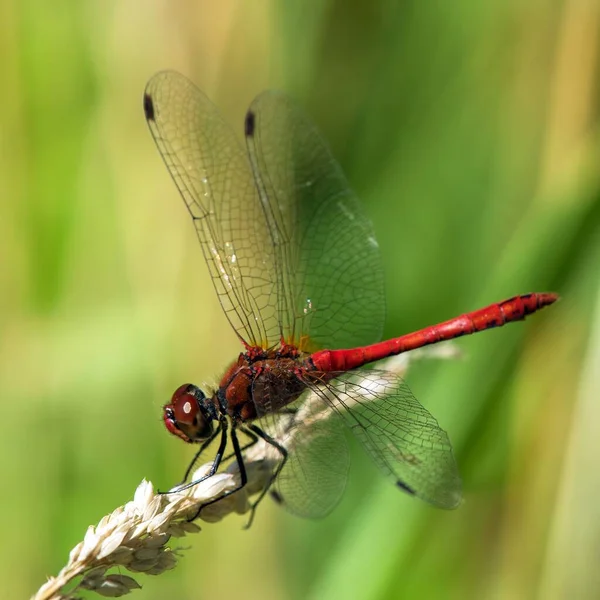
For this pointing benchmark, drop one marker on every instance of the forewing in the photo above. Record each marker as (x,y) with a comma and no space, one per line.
(402,437)
(330,280)
(213,174)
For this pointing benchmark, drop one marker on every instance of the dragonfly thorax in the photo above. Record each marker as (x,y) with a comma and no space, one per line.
(190,414)
(252,387)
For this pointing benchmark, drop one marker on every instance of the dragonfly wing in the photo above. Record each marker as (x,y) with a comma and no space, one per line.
(314,476)
(402,437)
(211,169)
(330,275)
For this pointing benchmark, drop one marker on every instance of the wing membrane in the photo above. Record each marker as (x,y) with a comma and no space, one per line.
(402,437)
(288,246)
(330,283)
(314,477)
(213,175)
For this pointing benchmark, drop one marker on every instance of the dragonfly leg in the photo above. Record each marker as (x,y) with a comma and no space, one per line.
(203,447)
(284,455)
(253,440)
(243,476)
(216,462)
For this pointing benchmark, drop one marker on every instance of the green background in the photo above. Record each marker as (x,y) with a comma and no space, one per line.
(470,131)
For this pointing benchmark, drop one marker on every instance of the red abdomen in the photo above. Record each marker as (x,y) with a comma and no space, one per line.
(494,315)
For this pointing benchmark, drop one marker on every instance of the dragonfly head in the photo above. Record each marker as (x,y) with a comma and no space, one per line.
(189,415)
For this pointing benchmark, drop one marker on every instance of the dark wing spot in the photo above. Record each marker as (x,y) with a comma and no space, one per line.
(249,124)
(148,107)
(404,487)
(276,497)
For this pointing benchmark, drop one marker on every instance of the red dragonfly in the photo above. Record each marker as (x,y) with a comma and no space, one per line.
(297,269)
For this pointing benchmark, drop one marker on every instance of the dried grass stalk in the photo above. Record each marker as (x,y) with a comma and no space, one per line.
(135,536)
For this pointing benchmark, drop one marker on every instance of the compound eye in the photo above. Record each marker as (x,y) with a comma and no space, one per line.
(184,416)
(185,409)
(188,388)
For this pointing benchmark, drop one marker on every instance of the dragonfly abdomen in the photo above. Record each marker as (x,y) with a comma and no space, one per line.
(494,315)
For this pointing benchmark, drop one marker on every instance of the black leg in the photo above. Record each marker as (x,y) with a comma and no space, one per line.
(238,456)
(284,455)
(241,466)
(203,447)
(253,440)
(216,462)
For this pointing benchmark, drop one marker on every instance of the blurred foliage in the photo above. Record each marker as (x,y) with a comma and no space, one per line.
(469,129)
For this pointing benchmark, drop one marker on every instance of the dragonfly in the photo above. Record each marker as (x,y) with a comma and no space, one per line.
(297,269)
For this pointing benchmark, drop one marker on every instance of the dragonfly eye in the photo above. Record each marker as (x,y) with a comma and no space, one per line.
(186,416)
